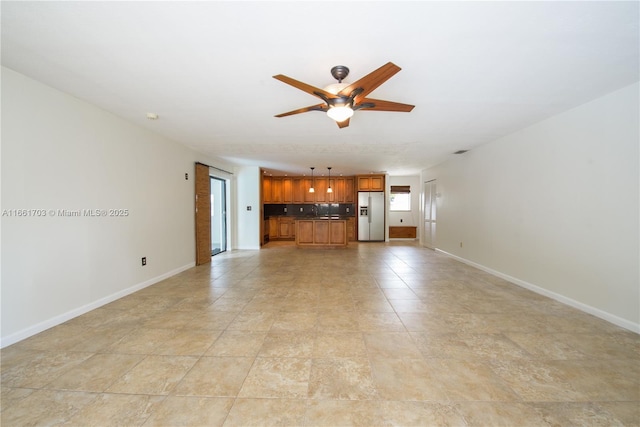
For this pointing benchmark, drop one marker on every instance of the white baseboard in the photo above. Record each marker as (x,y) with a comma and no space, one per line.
(57,320)
(624,323)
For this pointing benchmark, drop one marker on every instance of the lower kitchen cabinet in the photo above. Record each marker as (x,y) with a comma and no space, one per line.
(351,230)
(286,228)
(281,228)
(319,233)
(312,231)
(273,228)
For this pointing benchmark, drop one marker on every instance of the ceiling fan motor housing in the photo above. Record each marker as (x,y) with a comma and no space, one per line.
(339,72)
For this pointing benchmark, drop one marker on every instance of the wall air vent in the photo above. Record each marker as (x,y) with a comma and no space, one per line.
(460,151)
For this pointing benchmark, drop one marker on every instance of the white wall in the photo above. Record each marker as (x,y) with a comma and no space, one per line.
(554,207)
(248,195)
(59,152)
(411,218)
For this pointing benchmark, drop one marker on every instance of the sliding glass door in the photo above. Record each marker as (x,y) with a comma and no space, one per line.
(218,216)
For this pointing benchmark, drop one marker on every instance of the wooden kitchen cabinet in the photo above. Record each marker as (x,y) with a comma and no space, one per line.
(266,189)
(273,228)
(285,228)
(377,183)
(351,230)
(349,190)
(307,183)
(295,190)
(283,190)
(336,194)
(321,233)
(371,183)
(276,190)
(281,228)
(287,190)
(304,232)
(342,191)
(337,233)
(321,186)
(364,183)
(298,190)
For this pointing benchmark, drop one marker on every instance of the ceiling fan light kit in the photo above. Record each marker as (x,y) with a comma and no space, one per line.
(342,99)
(340,113)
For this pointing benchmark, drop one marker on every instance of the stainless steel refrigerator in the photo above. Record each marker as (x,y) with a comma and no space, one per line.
(371,216)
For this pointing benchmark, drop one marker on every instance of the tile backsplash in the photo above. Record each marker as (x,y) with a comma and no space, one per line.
(318,209)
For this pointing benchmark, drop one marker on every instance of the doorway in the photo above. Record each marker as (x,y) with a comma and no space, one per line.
(429,229)
(218,215)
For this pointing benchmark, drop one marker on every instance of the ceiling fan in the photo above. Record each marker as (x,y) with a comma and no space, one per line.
(342,99)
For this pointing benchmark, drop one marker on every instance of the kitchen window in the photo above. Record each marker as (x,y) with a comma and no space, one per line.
(400,198)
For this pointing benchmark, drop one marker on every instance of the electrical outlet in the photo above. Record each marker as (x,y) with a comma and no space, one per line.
(301,209)
(400,219)
(186,177)
(144,261)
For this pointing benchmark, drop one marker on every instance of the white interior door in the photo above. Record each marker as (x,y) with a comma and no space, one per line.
(429,229)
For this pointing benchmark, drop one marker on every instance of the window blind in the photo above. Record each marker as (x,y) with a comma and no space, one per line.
(400,189)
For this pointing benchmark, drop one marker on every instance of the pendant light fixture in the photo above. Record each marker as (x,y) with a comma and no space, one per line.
(329,190)
(311,189)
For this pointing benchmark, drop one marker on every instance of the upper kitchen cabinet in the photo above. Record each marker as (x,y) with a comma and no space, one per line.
(349,191)
(342,190)
(287,190)
(371,183)
(266,189)
(276,190)
(298,190)
(301,192)
(337,192)
(320,185)
(309,197)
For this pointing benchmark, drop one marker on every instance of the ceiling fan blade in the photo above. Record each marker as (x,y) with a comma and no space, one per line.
(371,81)
(312,90)
(343,124)
(318,107)
(380,105)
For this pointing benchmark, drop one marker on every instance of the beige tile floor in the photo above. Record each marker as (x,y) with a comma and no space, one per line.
(375,334)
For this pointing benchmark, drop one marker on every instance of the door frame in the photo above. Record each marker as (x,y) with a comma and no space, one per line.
(203,174)
(225,220)
(429,213)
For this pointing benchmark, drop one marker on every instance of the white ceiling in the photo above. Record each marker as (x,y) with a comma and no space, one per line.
(474,70)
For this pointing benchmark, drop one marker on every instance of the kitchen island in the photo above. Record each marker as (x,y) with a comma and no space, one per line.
(321,232)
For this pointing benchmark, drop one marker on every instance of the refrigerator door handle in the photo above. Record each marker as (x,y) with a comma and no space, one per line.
(369,216)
